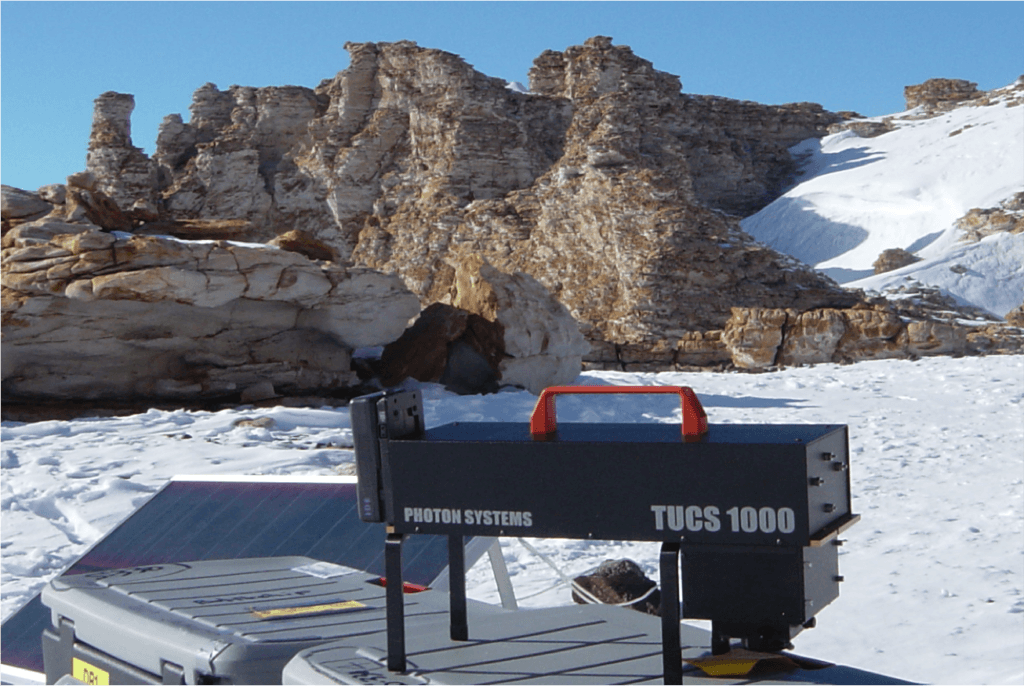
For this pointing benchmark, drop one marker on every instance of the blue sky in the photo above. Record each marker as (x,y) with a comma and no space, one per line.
(56,57)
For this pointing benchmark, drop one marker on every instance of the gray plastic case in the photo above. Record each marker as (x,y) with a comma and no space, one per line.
(591,644)
(223,621)
(588,644)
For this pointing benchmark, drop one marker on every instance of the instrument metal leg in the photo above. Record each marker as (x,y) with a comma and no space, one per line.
(395,602)
(457,588)
(672,652)
(720,642)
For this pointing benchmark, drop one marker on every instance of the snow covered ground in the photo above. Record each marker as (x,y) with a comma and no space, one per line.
(905,189)
(934,586)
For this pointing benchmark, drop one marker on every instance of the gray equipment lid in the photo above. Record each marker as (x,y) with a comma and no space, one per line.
(237,619)
(591,644)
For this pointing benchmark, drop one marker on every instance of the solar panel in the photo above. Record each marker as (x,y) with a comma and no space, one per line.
(217,518)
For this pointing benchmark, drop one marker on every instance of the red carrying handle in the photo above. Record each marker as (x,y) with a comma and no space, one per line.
(695,420)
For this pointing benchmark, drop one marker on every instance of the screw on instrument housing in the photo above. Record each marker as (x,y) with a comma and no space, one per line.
(816,481)
(828,457)
(839,466)
(828,507)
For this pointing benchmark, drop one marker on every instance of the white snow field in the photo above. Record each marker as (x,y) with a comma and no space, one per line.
(905,189)
(934,588)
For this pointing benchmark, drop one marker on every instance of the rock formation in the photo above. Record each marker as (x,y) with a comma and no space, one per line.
(446,345)
(126,175)
(499,328)
(592,221)
(20,206)
(979,223)
(940,94)
(1015,317)
(865,128)
(915,321)
(410,157)
(894,258)
(94,315)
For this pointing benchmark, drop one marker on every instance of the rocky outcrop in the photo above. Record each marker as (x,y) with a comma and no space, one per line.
(762,338)
(941,94)
(410,158)
(979,223)
(894,258)
(1015,317)
(501,329)
(18,206)
(753,336)
(543,345)
(124,173)
(93,315)
(920,323)
(865,128)
(447,345)
(79,201)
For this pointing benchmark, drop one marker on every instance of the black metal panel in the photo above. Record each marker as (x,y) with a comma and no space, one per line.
(821,577)
(828,474)
(647,484)
(366,441)
(737,585)
(763,596)
(586,432)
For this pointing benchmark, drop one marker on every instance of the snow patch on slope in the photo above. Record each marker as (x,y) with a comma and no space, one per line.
(988,274)
(905,189)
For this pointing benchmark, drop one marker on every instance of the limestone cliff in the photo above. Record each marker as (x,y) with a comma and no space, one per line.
(604,185)
(605,182)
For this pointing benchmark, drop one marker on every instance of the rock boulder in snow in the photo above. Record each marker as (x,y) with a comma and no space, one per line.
(759,338)
(894,258)
(753,336)
(616,582)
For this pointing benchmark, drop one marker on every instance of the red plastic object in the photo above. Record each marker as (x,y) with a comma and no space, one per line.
(407,587)
(695,420)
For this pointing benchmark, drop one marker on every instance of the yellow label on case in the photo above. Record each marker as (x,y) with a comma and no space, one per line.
(88,674)
(307,610)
